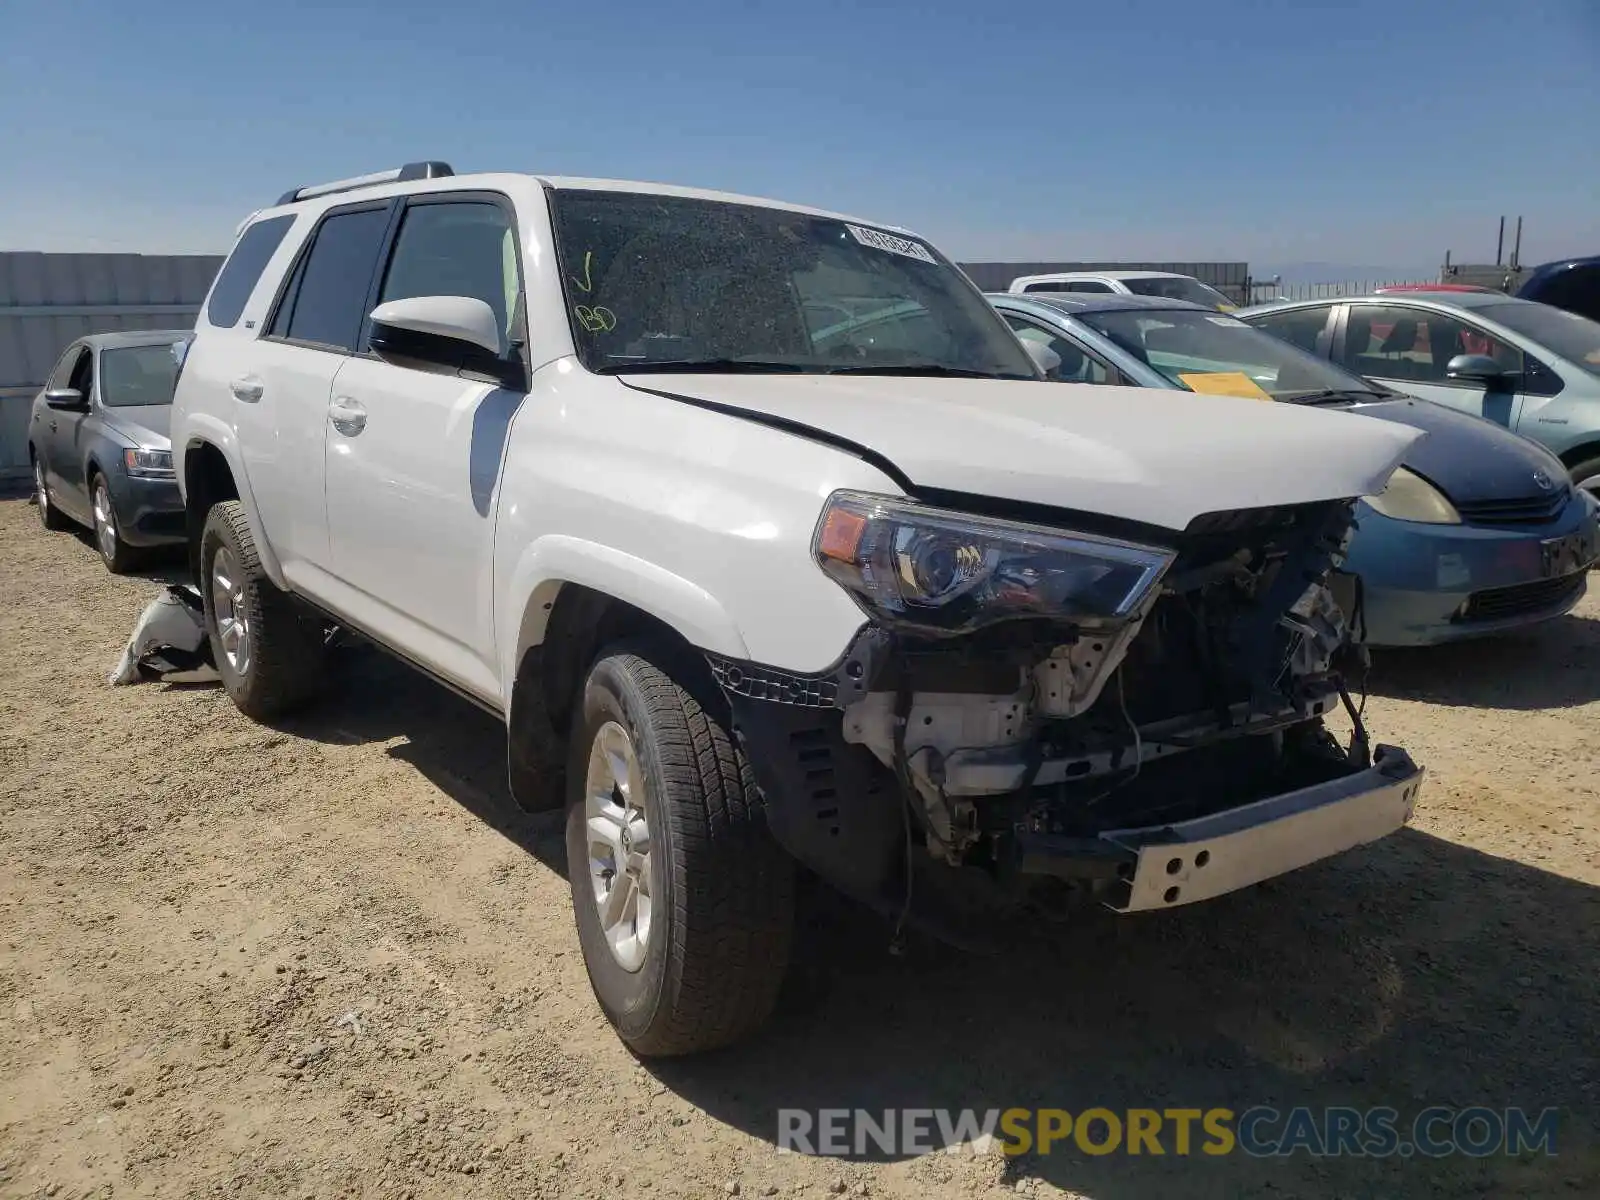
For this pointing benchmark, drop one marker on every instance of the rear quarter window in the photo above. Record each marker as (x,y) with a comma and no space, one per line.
(242,271)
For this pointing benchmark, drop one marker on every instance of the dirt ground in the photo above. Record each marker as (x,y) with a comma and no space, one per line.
(331,959)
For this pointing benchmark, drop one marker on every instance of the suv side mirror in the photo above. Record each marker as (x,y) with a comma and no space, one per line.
(1475,367)
(441,334)
(66,399)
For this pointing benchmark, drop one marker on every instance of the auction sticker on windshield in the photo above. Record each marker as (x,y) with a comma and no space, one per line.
(1223,383)
(894,245)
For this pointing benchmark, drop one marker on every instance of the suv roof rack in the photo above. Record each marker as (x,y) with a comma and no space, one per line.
(415,170)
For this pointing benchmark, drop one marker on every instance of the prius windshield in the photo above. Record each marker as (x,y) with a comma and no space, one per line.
(663,283)
(1210,352)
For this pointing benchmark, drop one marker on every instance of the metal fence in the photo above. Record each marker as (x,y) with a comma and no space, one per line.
(47,300)
(1263,291)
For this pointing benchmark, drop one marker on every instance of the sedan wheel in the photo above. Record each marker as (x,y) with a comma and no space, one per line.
(49,514)
(118,555)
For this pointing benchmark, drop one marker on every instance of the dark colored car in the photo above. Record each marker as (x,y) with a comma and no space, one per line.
(1570,283)
(97,440)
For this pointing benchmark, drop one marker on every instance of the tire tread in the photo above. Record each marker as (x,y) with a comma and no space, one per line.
(734,899)
(288,660)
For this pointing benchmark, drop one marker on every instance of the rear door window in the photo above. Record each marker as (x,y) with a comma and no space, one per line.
(328,301)
(243,269)
(1303,327)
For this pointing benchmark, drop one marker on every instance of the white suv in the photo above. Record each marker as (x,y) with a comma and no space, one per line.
(757,527)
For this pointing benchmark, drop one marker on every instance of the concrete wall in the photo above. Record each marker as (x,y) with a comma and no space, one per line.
(47,300)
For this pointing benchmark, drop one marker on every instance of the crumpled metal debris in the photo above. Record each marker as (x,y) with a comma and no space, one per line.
(169,643)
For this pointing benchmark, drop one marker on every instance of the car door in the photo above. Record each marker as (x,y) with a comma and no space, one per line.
(413,457)
(48,442)
(69,433)
(283,389)
(1409,348)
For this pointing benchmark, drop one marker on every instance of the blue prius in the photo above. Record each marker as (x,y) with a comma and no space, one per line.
(1479,532)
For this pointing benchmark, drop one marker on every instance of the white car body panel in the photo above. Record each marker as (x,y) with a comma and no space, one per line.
(616,488)
(421,471)
(1162,458)
(1114,280)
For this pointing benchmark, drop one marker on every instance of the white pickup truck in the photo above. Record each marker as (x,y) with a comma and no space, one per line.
(760,531)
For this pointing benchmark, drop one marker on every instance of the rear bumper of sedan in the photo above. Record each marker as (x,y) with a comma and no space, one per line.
(1428,584)
(149,511)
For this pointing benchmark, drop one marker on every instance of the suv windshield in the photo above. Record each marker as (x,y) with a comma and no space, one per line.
(1179,288)
(1187,346)
(134,375)
(1566,334)
(665,282)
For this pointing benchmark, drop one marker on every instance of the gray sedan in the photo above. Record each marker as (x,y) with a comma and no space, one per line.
(97,440)
(1529,367)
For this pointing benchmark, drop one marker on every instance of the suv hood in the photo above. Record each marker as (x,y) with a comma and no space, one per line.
(1140,454)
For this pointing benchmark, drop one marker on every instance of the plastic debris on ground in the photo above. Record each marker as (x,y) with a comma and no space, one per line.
(169,644)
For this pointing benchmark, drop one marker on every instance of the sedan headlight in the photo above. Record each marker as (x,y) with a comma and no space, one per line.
(148,464)
(947,572)
(1410,497)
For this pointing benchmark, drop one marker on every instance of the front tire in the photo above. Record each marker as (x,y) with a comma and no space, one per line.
(687,940)
(119,557)
(50,516)
(271,659)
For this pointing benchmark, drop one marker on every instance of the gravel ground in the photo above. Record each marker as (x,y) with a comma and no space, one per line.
(331,959)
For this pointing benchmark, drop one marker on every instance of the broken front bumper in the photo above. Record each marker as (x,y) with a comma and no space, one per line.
(1165,866)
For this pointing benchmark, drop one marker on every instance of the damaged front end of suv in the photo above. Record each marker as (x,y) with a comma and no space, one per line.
(1128,712)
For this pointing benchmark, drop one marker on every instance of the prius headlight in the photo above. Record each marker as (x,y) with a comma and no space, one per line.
(1410,497)
(950,573)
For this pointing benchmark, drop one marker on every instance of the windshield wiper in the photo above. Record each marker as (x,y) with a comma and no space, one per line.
(1337,395)
(706,366)
(922,369)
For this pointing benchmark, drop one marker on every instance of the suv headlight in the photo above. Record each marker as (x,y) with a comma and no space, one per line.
(148,464)
(1410,497)
(949,572)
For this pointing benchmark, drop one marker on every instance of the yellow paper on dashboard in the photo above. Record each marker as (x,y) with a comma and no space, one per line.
(1224,383)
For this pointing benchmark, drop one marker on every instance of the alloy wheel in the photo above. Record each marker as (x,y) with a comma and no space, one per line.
(616,813)
(228,604)
(105,521)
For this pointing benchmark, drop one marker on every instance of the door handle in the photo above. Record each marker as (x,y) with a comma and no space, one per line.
(246,389)
(347,415)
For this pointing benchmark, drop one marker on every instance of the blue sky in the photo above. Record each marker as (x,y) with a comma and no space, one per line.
(1370,132)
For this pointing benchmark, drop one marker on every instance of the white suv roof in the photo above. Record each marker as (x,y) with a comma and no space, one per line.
(436,176)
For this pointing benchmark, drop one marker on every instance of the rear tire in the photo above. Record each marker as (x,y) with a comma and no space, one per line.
(700,962)
(50,516)
(271,658)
